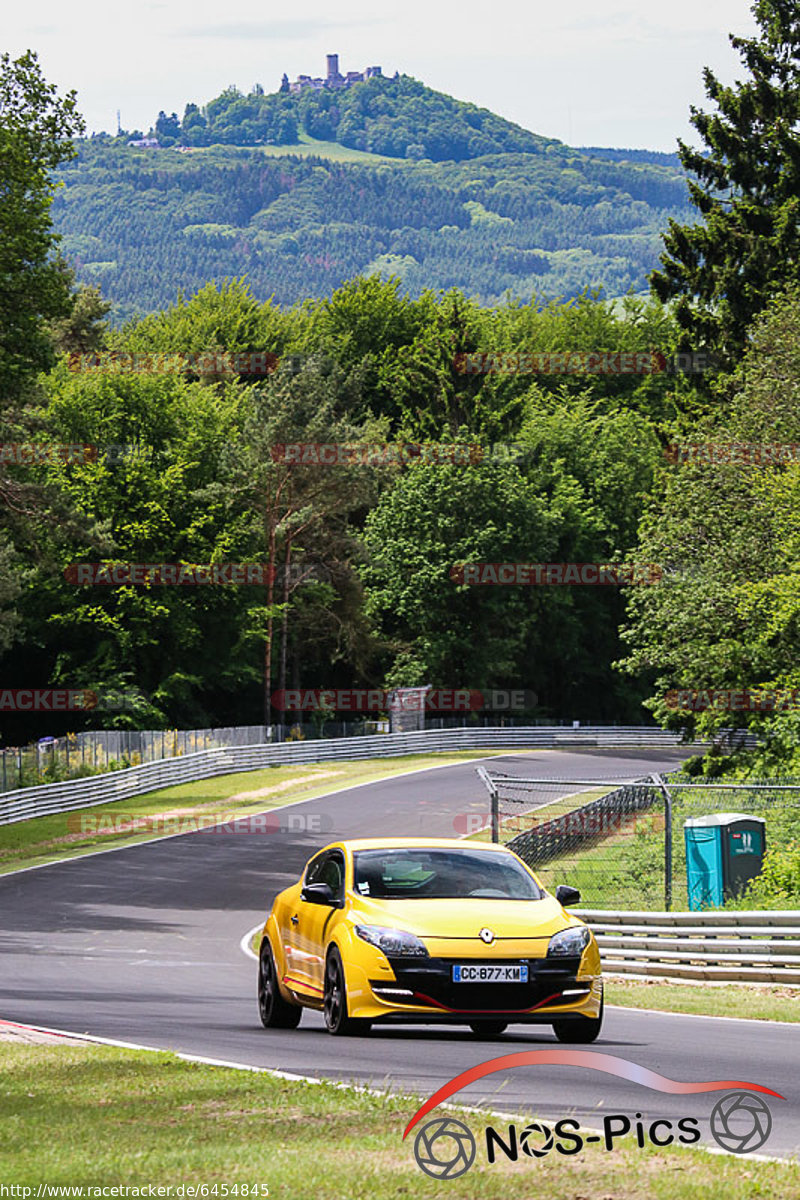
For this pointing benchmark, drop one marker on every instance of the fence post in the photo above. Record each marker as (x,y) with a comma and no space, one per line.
(667,842)
(491,788)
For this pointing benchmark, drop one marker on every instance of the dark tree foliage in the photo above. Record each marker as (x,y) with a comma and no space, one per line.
(36,131)
(36,128)
(168,129)
(746,188)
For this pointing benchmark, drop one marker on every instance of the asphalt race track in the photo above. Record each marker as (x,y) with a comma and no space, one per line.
(142,945)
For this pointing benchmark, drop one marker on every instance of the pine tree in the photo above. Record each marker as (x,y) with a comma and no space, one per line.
(723,271)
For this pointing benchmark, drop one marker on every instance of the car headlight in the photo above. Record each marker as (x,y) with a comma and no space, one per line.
(394,942)
(569,942)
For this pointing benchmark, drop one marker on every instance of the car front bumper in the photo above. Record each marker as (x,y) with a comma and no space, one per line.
(423,990)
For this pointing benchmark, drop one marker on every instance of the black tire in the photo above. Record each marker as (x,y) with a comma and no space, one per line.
(579,1029)
(274,1011)
(488,1029)
(334,1004)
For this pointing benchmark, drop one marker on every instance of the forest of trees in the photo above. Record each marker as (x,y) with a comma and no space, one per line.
(200,483)
(399,118)
(144,223)
(366,365)
(364,591)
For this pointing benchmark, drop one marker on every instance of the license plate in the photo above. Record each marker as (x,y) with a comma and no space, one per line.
(489,973)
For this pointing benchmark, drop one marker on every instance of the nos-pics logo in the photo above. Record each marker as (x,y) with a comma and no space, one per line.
(445,1148)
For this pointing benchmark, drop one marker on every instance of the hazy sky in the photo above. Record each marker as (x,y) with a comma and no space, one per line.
(622,75)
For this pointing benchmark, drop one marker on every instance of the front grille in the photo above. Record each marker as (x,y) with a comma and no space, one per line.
(430,981)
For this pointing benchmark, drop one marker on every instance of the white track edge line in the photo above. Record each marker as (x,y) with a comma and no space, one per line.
(244,943)
(664,1012)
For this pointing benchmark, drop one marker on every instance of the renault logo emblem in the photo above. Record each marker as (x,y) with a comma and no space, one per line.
(487,936)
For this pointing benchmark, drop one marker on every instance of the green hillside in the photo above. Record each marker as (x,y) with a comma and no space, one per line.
(399,117)
(344,196)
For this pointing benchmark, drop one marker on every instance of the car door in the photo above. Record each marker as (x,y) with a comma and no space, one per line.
(309,923)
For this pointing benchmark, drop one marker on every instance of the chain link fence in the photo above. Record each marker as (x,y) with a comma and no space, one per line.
(621,842)
(79,755)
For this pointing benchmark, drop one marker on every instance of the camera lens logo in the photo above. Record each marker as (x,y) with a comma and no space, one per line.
(528,1140)
(444,1148)
(741,1122)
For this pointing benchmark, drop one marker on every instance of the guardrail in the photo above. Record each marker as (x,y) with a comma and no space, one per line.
(45,799)
(746,947)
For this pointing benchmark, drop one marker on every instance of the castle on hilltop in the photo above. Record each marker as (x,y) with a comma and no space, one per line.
(333,79)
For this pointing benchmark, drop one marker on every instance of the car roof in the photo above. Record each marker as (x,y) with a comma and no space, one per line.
(403,843)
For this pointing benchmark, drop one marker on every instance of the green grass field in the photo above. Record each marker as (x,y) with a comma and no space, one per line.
(101,1116)
(767,1002)
(625,870)
(307,147)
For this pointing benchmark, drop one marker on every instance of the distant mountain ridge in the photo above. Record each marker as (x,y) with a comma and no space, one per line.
(383,177)
(399,117)
(660,158)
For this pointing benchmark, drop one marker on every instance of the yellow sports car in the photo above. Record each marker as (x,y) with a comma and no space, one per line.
(422,930)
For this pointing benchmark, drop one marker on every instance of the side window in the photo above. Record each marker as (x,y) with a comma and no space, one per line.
(332,873)
(314,868)
(327,868)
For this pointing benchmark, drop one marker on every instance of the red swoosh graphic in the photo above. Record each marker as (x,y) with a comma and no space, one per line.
(590,1059)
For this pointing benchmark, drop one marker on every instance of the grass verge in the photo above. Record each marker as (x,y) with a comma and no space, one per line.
(101,1116)
(754,1001)
(67,835)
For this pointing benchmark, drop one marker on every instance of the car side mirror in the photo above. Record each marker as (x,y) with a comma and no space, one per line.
(567,895)
(318,893)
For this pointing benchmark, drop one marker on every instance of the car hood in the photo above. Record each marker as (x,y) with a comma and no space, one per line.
(454,920)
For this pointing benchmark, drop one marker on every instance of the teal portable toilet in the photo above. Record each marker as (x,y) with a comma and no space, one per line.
(724,851)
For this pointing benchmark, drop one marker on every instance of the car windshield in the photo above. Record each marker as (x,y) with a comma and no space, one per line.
(439,874)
